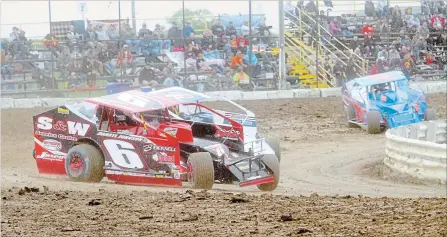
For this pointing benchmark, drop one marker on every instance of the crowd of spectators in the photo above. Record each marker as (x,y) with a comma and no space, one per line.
(111,50)
(390,37)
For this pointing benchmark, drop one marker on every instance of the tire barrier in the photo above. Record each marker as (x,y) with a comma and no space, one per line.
(418,150)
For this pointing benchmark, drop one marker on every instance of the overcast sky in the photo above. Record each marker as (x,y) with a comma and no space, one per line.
(33,17)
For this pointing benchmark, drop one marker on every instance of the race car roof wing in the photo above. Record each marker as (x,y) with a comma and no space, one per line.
(376,79)
(133,101)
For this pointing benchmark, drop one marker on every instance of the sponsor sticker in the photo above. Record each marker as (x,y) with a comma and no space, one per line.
(58,136)
(171,131)
(46,155)
(122,136)
(52,145)
(152,147)
(159,176)
(63,111)
(176,175)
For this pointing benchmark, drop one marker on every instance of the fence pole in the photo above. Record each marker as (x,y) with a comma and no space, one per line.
(282,55)
(134,20)
(183,39)
(52,54)
(250,37)
(120,44)
(317,61)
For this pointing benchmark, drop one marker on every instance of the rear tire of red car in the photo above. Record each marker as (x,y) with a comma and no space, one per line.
(430,114)
(350,115)
(200,170)
(84,163)
(272,163)
(274,144)
(373,122)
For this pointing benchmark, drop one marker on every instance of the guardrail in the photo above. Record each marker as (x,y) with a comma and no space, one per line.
(419,150)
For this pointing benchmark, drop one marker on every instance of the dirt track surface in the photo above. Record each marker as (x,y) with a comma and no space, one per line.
(320,155)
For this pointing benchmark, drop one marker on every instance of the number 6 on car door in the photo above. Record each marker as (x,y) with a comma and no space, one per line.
(123,154)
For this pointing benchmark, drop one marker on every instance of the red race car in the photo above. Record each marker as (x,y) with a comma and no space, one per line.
(157,138)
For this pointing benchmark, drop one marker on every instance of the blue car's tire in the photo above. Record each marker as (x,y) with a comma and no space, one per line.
(373,122)
(430,114)
(350,115)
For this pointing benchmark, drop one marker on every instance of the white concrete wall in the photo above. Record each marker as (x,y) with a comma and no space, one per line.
(419,150)
(428,87)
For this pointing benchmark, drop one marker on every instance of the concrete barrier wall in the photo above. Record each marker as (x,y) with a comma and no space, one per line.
(419,150)
(428,87)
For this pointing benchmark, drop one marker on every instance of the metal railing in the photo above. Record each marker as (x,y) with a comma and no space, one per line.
(360,63)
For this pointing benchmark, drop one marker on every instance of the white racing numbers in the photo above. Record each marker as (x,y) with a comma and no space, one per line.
(123,154)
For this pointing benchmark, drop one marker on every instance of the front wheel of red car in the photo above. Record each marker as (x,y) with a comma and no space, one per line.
(430,114)
(272,163)
(84,163)
(200,170)
(373,122)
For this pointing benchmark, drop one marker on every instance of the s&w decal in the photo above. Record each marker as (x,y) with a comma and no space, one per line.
(74,128)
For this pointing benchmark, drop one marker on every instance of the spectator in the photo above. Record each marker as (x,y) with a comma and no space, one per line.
(172,80)
(413,22)
(207,41)
(351,70)
(102,34)
(105,57)
(311,8)
(383,26)
(245,29)
(368,32)
(369,8)
(264,32)
(168,70)
(333,27)
(188,30)
(230,29)
(382,8)
(158,32)
(144,30)
(113,32)
(72,37)
(14,35)
(146,44)
(238,61)
(240,77)
(131,39)
(90,34)
(175,35)
(217,28)
(437,22)
(125,58)
(338,71)
(383,55)
(73,81)
(424,31)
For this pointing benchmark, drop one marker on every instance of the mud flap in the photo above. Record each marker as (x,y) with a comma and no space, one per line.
(250,171)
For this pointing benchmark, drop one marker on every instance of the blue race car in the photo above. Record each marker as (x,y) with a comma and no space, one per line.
(384,100)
